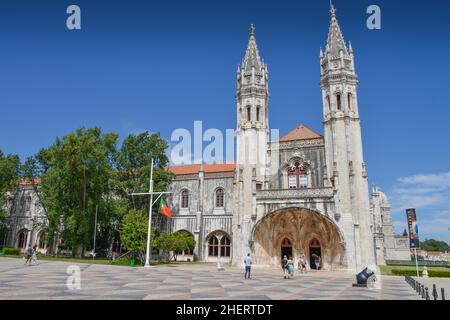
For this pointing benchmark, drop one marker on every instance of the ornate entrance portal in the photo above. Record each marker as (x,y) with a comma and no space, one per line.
(297,231)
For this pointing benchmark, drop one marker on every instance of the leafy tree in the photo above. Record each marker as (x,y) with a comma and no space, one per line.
(9,178)
(133,164)
(133,231)
(434,245)
(175,243)
(76,172)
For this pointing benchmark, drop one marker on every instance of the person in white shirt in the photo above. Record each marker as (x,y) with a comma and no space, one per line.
(248,265)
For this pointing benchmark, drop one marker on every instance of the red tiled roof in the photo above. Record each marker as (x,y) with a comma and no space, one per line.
(302,132)
(207,168)
(30,182)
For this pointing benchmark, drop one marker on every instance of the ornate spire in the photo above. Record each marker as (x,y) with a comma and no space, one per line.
(335,41)
(252,58)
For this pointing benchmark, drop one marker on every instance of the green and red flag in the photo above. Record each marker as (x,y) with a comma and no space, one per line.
(164,208)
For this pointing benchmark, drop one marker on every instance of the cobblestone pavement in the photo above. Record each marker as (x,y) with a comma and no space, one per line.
(198,281)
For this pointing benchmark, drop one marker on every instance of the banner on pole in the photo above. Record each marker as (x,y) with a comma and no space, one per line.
(413,229)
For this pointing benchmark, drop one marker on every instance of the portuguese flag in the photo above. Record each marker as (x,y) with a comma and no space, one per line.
(164,208)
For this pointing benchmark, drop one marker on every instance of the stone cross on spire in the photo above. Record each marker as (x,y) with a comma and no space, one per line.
(252,30)
(335,41)
(252,58)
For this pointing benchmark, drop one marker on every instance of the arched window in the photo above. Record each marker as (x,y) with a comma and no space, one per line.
(219,198)
(338,98)
(22,239)
(349,97)
(297,177)
(41,241)
(225,246)
(328,103)
(258,109)
(185,199)
(249,114)
(213,246)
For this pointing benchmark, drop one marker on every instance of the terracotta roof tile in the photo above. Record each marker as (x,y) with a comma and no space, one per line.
(207,168)
(30,182)
(302,132)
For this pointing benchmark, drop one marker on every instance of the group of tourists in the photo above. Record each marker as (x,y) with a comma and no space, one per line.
(287,265)
(31,255)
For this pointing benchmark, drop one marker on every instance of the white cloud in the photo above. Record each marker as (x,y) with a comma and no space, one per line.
(431,194)
(441,180)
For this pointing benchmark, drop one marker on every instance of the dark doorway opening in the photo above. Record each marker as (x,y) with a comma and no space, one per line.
(286,248)
(314,251)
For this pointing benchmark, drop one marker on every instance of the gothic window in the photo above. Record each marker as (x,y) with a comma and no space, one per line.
(349,97)
(328,103)
(41,243)
(213,246)
(184,199)
(225,246)
(219,198)
(249,115)
(22,239)
(258,108)
(297,177)
(338,98)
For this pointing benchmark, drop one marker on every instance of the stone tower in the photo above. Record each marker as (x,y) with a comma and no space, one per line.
(343,147)
(252,129)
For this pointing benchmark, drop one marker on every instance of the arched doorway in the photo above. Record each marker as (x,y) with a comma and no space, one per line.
(22,239)
(299,226)
(286,248)
(314,251)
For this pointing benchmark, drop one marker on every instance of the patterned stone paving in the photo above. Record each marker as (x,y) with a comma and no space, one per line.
(198,281)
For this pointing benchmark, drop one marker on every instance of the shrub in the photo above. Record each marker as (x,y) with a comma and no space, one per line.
(413,273)
(11,251)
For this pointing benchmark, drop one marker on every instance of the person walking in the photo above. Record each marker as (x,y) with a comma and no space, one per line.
(34,256)
(302,264)
(28,255)
(313,260)
(318,263)
(284,264)
(290,267)
(248,266)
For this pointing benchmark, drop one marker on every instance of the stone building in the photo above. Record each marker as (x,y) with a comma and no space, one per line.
(302,194)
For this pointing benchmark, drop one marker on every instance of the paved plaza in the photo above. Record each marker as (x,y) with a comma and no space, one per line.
(197,281)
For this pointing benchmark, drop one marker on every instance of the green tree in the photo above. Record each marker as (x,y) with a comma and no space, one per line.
(174,243)
(133,167)
(9,180)
(133,231)
(75,177)
(434,245)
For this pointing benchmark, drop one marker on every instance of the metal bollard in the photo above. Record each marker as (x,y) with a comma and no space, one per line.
(442,294)
(427,296)
(435,294)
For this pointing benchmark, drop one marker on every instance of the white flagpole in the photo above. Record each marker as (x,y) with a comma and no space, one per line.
(147,254)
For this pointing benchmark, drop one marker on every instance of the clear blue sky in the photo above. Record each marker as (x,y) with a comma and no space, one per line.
(160,65)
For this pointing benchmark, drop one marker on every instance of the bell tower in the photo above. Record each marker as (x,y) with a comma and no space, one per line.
(252,128)
(343,146)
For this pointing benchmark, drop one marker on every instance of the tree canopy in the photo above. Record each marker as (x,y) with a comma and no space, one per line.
(434,245)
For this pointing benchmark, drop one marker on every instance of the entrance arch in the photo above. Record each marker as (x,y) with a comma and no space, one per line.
(314,249)
(299,226)
(286,248)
